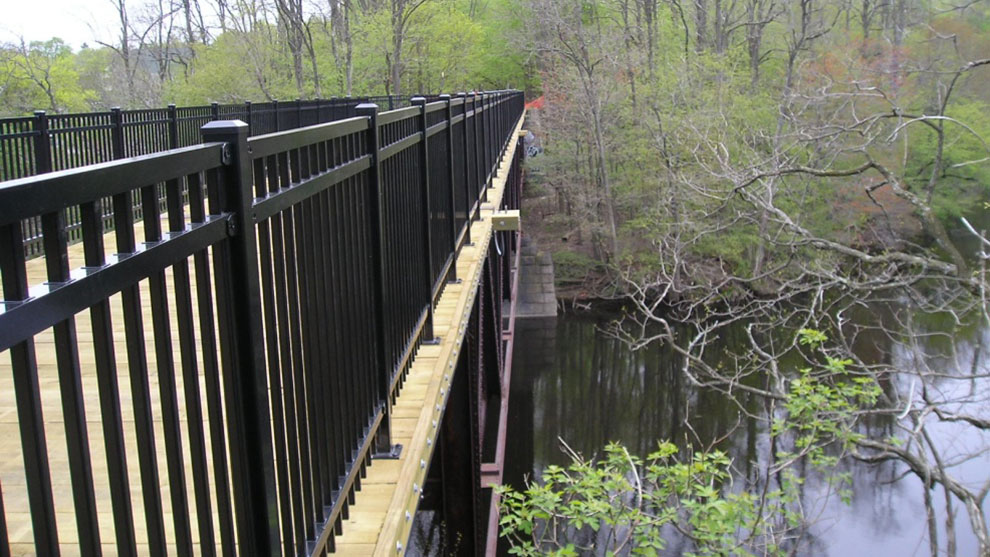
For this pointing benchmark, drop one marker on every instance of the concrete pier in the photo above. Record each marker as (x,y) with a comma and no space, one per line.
(537,295)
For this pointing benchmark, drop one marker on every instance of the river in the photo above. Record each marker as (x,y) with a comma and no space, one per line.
(573,382)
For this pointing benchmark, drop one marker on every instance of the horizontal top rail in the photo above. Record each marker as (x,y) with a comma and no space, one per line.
(274,142)
(397,114)
(435,106)
(44,142)
(37,195)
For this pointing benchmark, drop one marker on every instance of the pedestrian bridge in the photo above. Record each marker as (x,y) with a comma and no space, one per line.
(266,345)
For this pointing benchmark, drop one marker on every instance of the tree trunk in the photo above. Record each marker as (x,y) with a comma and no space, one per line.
(700,24)
(398,34)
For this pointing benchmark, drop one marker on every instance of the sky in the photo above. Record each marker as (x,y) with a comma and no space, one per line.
(74,21)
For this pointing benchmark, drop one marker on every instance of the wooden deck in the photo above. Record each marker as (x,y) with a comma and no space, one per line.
(381,518)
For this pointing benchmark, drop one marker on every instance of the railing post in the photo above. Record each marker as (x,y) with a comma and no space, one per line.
(117,132)
(489,148)
(478,157)
(215,111)
(490,132)
(275,111)
(348,106)
(173,127)
(249,114)
(452,277)
(239,308)
(42,143)
(424,177)
(467,170)
(496,142)
(496,139)
(299,121)
(383,439)
(487,139)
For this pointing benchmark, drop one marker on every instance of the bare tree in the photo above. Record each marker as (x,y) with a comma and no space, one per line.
(122,47)
(300,41)
(342,42)
(819,281)
(401,12)
(587,51)
(254,30)
(759,14)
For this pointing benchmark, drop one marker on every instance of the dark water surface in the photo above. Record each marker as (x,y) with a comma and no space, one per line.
(571,381)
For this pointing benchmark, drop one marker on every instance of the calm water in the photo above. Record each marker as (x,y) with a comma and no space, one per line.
(573,382)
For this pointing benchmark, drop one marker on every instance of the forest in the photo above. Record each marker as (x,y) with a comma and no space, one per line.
(193,52)
(791,196)
(809,175)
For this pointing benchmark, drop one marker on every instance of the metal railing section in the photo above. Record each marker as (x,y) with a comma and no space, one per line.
(273,292)
(50,142)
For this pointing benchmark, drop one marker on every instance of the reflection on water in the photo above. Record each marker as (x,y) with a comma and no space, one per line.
(571,381)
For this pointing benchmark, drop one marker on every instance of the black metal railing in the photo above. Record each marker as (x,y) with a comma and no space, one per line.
(44,143)
(260,317)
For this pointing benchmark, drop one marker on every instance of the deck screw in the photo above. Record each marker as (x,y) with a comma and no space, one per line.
(398,547)
(231,226)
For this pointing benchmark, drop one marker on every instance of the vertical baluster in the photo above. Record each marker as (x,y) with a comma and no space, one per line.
(165,366)
(30,421)
(287,326)
(211,369)
(425,215)
(42,143)
(70,390)
(106,375)
(272,348)
(449,112)
(190,368)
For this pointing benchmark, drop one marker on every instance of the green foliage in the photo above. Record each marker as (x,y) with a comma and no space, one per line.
(685,121)
(965,180)
(619,502)
(823,404)
(572,267)
(448,46)
(234,68)
(40,75)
